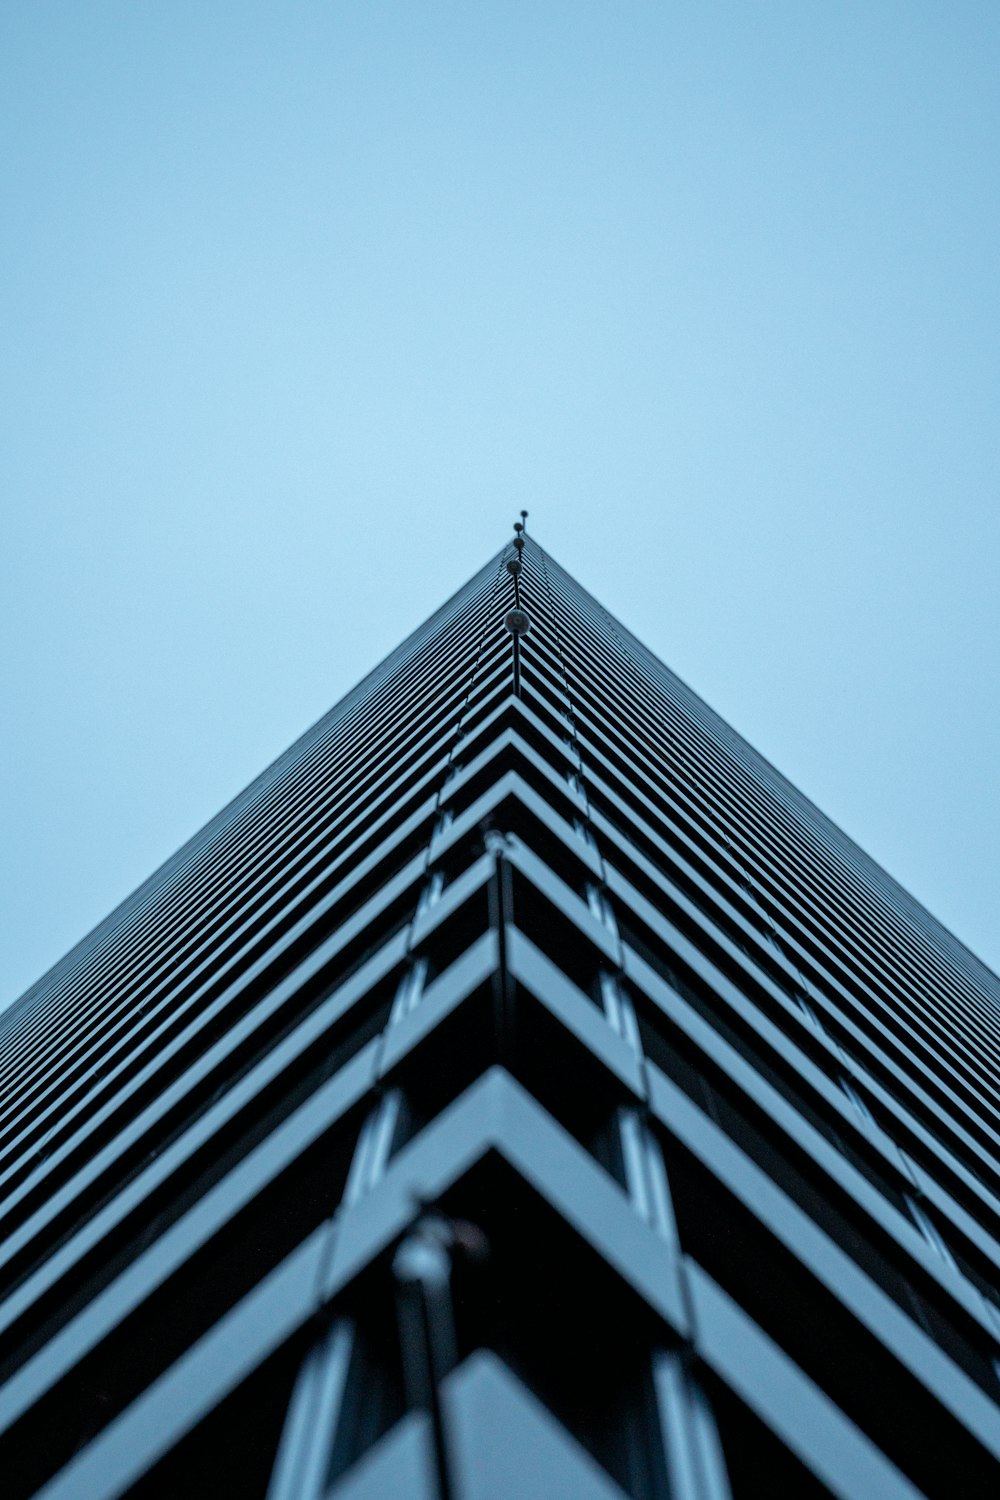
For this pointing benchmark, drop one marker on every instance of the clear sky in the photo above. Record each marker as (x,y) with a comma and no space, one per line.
(301,302)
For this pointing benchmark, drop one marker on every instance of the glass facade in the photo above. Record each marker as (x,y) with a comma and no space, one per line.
(520,1090)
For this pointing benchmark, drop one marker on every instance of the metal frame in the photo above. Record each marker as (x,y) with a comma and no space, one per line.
(521,932)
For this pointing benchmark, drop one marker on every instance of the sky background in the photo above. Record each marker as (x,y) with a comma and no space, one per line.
(301,302)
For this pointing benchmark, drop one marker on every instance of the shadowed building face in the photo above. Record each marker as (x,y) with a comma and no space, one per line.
(519,1090)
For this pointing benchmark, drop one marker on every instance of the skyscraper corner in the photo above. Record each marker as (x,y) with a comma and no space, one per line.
(519,1090)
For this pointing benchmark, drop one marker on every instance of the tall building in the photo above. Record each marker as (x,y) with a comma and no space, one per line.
(521,1090)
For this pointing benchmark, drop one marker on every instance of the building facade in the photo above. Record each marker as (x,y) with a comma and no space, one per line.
(519,1091)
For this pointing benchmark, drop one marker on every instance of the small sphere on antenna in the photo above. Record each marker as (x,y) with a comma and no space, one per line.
(518,622)
(514,567)
(519,542)
(518,526)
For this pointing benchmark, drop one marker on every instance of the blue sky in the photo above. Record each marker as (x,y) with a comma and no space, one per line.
(301,303)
